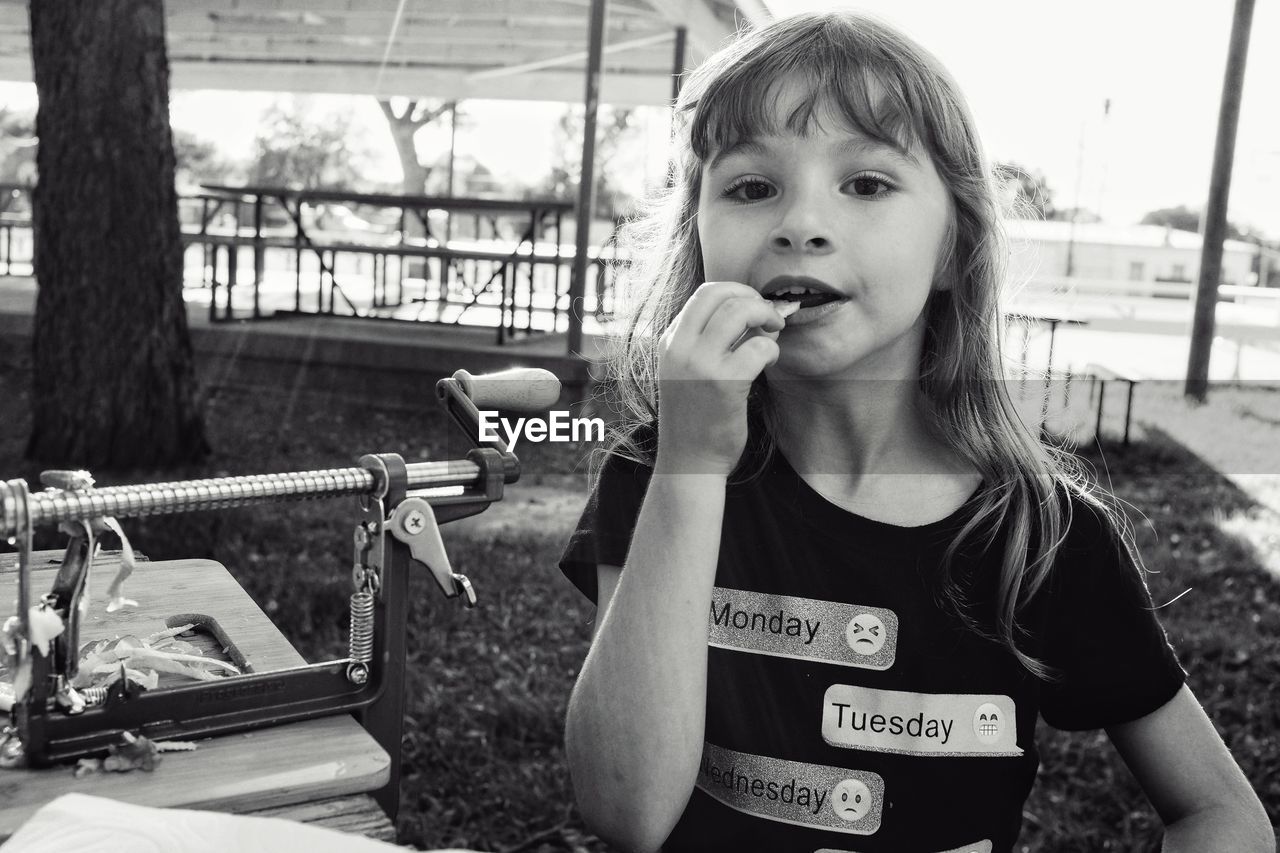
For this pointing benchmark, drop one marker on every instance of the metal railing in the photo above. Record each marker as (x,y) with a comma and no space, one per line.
(17,251)
(481,262)
(253,252)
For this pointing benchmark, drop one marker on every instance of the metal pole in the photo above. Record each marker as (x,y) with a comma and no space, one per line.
(677,72)
(677,81)
(453,143)
(453,147)
(586,185)
(1104,132)
(1075,205)
(1215,221)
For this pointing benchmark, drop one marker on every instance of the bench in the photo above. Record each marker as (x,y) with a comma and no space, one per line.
(1104,373)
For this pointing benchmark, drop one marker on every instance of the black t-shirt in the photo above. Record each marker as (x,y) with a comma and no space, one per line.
(847,709)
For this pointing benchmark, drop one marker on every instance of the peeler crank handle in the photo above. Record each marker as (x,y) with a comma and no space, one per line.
(523,389)
(520,389)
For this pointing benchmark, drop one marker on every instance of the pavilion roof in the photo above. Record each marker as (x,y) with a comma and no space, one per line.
(449,49)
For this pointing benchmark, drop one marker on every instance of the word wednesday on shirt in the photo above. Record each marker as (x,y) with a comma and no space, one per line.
(790,791)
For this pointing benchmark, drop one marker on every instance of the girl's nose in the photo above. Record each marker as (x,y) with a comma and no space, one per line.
(802,229)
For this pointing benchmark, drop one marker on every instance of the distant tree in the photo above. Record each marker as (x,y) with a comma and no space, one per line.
(405,117)
(1027,192)
(1183,218)
(404,120)
(295,148)
(113,384)
(17,150)
(470,176)
(198,161)
(1075,214)
(615,128)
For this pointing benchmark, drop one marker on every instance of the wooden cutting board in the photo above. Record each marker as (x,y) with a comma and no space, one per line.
(289,764)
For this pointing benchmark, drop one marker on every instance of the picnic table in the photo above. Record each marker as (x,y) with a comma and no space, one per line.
(1052,321)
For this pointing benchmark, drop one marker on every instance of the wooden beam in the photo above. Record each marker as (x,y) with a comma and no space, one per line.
(560,85)
(651,62)
(707,32)
(629,83)
(451,8)
(566,59)
(642,57)
(560,29)
(491,52)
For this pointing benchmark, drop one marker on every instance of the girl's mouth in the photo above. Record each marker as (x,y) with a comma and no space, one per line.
(807,300)
(813,307)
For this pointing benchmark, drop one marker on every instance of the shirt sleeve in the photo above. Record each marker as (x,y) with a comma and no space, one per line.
(1113,659)
(603,534)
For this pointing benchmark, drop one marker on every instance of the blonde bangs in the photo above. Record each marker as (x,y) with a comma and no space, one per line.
(858,74)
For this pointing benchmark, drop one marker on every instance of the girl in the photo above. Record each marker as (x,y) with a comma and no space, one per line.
(853,579)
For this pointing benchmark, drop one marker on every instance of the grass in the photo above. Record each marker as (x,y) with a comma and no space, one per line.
(1205,521)
(488,687)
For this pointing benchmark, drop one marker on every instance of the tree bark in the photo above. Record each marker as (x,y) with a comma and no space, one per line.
(113,380)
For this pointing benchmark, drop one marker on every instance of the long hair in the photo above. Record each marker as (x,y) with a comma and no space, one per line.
(893,91)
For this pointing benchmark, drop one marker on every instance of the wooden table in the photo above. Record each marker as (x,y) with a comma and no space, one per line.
(318,771)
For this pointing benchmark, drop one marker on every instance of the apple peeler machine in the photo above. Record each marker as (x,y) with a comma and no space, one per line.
(401,506)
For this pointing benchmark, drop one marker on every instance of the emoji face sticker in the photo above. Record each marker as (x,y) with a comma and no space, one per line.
(988,723)
(865,634)
(851,799)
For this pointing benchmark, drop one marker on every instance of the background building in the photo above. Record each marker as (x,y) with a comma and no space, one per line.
(1143,255)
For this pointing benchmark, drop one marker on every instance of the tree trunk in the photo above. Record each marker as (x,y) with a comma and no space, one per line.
(404,127)
(415,174)
(113,382)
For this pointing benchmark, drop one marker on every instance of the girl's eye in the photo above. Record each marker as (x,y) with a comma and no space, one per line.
(750,189)
(870,186)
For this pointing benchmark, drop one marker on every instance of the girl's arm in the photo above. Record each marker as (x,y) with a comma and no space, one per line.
(1195,785)
(636,717)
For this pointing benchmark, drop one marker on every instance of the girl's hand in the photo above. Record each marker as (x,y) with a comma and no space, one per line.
(703,379)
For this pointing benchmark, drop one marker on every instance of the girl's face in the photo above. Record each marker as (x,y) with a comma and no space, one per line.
(841,208)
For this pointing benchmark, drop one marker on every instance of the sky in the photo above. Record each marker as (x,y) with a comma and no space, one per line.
(1036,75)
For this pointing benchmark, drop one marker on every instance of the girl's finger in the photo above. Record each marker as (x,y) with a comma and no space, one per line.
(785,309)
(708,298)
(754,332)
(737,318)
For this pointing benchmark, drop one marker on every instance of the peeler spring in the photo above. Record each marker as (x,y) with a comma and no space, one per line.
(360,647)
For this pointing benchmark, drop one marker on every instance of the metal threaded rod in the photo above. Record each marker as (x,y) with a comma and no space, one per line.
(53,507)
